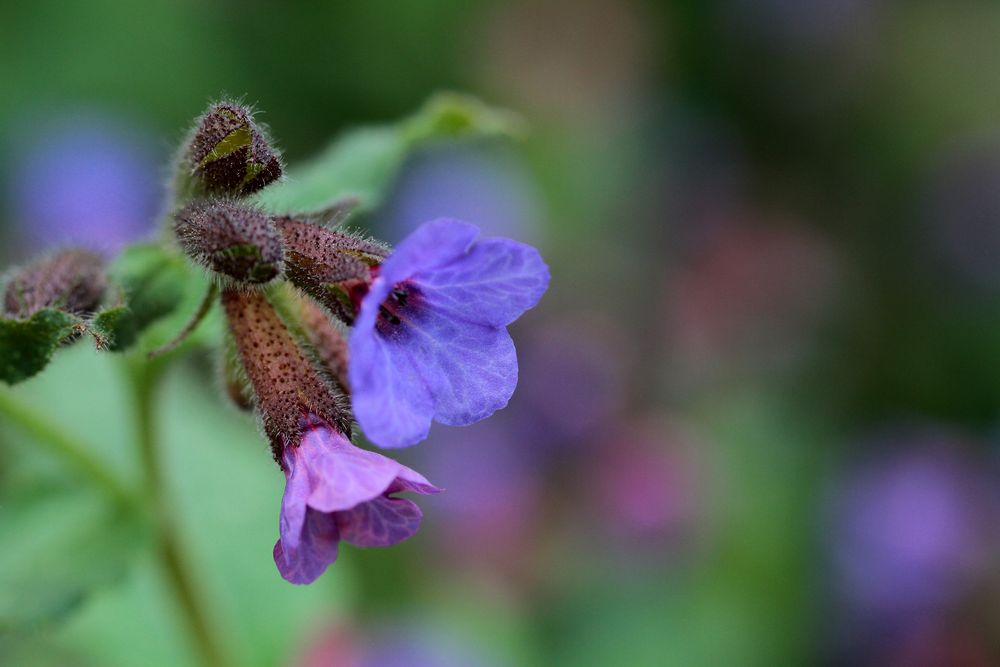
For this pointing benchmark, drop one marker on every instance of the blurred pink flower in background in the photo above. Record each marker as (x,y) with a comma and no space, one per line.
(645,489)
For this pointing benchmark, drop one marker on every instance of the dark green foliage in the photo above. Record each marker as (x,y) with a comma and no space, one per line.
(27,345)
(152,283)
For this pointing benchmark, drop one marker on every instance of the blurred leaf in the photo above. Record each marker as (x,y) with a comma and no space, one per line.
(153,280)
(159,287)
(115,327)
(59,545)
(27,345)
(363,163)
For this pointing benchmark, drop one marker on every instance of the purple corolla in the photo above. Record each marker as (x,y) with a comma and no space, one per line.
(430,341)
(335,491)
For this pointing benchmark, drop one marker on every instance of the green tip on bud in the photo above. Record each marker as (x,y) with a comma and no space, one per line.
(235,241)
(72,281)
(229,154)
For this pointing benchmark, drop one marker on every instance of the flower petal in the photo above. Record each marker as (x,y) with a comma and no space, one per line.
(432,367)
(379,523)
(390,399)
(411,480)
(293,502)
(317,549)
(470,369)
(493,283)
(432,245)
(447,357)
(342,476)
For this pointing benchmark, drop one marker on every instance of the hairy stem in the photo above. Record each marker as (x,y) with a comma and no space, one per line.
(145,376)
(64,445)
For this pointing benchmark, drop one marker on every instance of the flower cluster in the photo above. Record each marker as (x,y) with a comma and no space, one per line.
(328,327)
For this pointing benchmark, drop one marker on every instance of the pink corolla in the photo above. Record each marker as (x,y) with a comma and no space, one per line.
(335,491)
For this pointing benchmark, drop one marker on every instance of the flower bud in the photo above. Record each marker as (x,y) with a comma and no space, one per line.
(232,240)
(287,388)
(331,267)
(326,339)
(234,378)
(72,281)
(228,153)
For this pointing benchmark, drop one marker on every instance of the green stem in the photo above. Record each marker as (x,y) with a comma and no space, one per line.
(64,445)
(145,375)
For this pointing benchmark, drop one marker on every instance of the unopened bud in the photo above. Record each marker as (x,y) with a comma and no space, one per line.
(73,281)
(327,339)
(234,378)
(331,267)
(235,241)
(228,153)
(288,390)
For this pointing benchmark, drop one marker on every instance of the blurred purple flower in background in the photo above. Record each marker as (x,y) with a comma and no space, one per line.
(336,491)
(416,645)
(488,519)
(573,381)
(911,534)
(403,643)
(86,179)
(906,528)
(483,185)
(431,341)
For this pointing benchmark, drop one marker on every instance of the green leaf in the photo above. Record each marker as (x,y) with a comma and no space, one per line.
(59,545)
(115,328)
(26,346)
(153,279)
(363,163)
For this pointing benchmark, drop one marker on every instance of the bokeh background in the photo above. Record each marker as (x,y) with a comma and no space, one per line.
(757,419)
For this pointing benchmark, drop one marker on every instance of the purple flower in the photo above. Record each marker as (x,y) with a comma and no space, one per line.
(84,179)
(336,491)
(430,340)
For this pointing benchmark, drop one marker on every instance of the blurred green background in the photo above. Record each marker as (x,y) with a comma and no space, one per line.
(757,417)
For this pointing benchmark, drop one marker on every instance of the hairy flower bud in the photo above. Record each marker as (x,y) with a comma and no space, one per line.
(232,240)
(288,389)
(331,267)
(72,281)
(234,378)
(326,339)
(228,153)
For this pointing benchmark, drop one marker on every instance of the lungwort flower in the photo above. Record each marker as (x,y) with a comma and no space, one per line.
(336,491)
(430,341)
